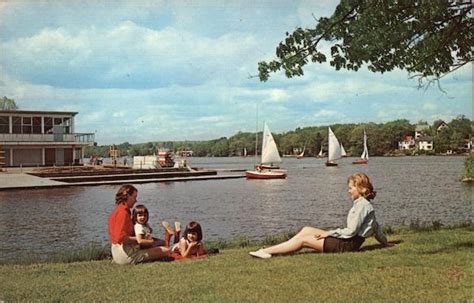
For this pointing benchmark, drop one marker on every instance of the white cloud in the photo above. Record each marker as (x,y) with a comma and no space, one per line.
(325,114)
(429,106)
(147,71)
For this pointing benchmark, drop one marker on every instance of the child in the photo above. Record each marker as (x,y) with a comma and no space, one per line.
(142,228)
(190,244)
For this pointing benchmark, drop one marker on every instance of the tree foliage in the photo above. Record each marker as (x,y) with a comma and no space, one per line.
(429,39)
(383,139)
(8,104)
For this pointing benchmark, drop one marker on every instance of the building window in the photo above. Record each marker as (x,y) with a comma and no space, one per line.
(27,126)
(16,124)
(67,125)
(36,125)
(58,121)
(4,125)
(48,125)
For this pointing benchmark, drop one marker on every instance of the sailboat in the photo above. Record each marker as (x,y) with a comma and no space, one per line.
(334,149)
(321,153)
(268,168)
(364,158)
(343,151)
(301,155)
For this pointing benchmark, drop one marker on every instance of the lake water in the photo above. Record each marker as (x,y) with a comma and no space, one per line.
(427,189)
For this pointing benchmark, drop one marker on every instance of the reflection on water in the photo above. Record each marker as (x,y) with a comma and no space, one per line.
(409,188)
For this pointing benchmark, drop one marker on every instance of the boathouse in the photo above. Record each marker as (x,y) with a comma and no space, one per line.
(41,138)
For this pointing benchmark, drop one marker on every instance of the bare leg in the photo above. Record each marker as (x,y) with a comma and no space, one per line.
(156,253)
(177,231)
(304,238)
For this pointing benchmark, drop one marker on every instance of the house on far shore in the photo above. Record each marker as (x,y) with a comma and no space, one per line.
(425,143)
(440,126)
(41,138)
(407,143)
(467,145)
(421,130)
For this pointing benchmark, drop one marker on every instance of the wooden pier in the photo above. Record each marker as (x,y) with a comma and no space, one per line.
(32,180)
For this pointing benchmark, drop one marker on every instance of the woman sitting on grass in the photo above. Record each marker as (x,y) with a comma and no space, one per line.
(125,248)
(361,223)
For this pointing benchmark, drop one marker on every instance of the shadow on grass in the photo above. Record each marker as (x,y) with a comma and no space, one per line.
(380,246)
(451,248)
(364,248)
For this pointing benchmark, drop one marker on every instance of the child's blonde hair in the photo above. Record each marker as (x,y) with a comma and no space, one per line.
(363,185)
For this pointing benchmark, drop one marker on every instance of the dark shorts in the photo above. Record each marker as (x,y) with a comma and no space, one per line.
(338,245)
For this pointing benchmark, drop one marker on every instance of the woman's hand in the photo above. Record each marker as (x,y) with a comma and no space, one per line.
(321,235)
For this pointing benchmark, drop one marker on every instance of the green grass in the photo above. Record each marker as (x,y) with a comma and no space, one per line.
(433,265)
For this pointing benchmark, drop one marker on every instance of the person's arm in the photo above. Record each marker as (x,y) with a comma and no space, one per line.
(379,235)
(141,237)
(355,219)
(200,250)
(183,247)
(144,241)
(186,250)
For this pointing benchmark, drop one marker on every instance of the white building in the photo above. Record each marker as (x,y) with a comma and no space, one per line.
(41,138)
(425,143)
(407,143)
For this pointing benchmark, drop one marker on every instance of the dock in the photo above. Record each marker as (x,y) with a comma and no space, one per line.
(15,180)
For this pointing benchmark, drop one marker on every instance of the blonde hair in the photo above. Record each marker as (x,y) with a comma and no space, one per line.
(363,185)
(123,193)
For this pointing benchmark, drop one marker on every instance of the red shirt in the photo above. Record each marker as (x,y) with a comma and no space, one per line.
(120,224)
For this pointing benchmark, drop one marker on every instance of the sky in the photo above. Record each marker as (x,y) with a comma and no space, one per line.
(150,70)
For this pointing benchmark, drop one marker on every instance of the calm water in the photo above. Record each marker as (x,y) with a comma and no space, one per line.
(409,188)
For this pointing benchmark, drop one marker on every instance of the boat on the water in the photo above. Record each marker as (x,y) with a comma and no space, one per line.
(269,165)
(301,155)
(334,149)
(364,158)
(343,151)
(321,153)
(265,174)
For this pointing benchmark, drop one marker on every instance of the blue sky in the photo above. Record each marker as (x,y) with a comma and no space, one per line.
(142,71)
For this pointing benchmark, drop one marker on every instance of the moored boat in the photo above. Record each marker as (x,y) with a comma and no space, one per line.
(265,174)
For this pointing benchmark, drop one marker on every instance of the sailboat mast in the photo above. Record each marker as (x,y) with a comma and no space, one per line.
(256,136)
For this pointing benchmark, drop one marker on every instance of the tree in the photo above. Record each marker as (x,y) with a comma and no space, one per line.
(8,104)
(429,39)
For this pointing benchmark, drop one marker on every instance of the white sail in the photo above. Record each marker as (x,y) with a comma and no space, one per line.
(365,153)
(343,151)
(334,148)
(269,149)
(321,152)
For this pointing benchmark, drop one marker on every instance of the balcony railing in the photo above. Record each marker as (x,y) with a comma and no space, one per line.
(40,138)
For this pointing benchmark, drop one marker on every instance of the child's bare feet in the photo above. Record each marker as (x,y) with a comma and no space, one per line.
(177,227)
(167,227)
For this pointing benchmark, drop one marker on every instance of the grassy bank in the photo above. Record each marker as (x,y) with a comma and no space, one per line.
(429,266)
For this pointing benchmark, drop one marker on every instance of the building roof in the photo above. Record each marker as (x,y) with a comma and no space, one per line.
(36,112)
(426,138)
(421,127)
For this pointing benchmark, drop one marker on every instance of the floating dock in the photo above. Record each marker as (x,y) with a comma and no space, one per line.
(51,179)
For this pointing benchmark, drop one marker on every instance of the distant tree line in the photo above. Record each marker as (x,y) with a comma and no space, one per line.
(383,139)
